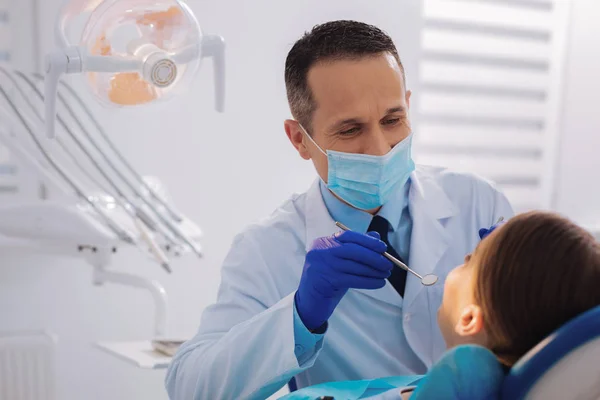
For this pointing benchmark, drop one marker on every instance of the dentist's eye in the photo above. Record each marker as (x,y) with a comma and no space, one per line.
(349,132)
(391,121)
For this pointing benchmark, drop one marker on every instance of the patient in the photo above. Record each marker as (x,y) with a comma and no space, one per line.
(526,279)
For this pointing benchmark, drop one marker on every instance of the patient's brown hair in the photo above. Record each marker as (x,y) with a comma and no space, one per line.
(537,272)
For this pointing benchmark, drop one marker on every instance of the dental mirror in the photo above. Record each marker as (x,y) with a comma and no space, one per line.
(426,280)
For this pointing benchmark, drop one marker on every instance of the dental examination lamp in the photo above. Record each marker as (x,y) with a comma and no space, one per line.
(133,51)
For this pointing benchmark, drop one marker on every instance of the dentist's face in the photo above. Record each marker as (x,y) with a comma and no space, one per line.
(361,107)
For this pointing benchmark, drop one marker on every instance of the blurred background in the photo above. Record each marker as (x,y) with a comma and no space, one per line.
(502,88)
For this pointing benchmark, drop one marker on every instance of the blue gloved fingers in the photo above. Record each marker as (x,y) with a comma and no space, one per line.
(375,235)
(358,282)
(367,241)
(483,233)
(351,267)
(335,264)
(355,252)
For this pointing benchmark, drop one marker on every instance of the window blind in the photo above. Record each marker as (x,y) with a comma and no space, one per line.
(490,80)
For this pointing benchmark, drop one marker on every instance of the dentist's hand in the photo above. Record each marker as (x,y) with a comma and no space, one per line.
(483,232)
(334,265)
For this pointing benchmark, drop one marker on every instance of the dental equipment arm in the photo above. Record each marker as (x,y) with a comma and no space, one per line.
(121,234)
(214,46)
(159,295)
(121,199)
(139,212)
(139,180)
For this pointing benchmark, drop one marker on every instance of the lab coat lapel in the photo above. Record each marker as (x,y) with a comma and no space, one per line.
(429,206)
(319,224)
(318,221)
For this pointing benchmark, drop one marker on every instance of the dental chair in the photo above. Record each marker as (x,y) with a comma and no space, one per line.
(564,366)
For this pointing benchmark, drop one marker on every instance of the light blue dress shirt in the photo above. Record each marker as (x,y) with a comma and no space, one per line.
(395,211)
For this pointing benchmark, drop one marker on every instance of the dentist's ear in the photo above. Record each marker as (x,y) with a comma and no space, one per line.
(297,138)
(470,322)
(408,113)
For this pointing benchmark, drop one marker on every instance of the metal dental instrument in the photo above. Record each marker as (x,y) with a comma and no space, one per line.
(115,150)
(143,222)
(122,234)
(172,227)
(148,220)
(426,280)
(120,198)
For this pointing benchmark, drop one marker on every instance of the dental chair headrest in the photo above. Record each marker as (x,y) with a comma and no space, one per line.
(566,365)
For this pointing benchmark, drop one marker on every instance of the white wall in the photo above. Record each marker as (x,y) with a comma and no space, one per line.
(578,188)
(223,171)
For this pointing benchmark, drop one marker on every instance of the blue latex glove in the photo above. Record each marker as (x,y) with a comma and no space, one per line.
(332,266)
(483,232)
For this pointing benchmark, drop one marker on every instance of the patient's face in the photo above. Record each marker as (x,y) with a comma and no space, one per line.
(459,317)
(458,292)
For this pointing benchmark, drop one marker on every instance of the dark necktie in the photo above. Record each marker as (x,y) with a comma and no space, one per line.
(398,276)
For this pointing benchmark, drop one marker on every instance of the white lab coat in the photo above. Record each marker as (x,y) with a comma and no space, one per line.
(245,346)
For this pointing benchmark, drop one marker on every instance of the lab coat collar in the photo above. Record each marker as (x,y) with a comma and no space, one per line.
(429,206)
(430,209)
(318,221)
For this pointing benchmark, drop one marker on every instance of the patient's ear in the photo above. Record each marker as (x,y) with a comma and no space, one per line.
(470,322)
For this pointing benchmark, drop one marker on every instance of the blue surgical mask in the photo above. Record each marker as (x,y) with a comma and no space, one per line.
(366,181)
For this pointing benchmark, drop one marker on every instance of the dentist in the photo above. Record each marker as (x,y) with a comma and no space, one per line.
(300,299)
